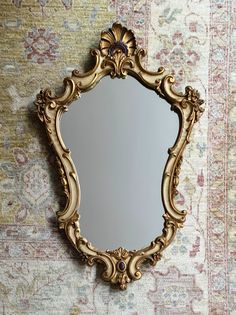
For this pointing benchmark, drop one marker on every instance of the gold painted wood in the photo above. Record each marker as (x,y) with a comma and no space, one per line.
(118,56)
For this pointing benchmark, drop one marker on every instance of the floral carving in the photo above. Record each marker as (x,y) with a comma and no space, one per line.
(40,104)
(120,253)
(194,96)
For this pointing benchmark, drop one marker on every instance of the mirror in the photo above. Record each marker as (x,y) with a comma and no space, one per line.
(119,155)
(120,149)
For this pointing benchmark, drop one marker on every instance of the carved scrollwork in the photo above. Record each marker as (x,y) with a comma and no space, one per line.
(118,56)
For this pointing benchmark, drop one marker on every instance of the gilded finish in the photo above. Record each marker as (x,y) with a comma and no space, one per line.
(118,56)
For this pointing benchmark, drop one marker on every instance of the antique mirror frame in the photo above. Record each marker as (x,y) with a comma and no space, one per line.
(118,57)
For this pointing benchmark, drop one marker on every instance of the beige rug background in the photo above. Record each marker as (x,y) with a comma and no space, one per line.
(41,42)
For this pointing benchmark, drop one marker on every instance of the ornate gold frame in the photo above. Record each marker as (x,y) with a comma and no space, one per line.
(118,56)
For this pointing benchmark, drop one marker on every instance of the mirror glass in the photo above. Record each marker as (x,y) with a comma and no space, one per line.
(119,134)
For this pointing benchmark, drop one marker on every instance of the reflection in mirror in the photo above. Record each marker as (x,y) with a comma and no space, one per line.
(119,134)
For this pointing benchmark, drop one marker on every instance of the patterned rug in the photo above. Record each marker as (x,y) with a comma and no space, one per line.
(41,42)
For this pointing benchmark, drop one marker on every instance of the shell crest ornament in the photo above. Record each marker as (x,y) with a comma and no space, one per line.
(117,39)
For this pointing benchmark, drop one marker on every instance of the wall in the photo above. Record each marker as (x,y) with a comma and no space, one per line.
(41,42)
